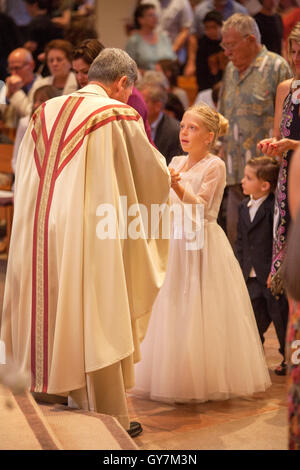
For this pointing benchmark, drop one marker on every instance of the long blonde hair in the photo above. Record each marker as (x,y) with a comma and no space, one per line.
(212,120)
(294,36)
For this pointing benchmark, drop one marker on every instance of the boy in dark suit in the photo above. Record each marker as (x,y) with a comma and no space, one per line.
(253,248)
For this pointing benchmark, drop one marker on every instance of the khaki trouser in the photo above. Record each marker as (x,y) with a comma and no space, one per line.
(105,393)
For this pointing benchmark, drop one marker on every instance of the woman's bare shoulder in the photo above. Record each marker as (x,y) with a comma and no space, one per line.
(284,88)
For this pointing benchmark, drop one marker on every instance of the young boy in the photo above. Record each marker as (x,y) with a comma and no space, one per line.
(253,248)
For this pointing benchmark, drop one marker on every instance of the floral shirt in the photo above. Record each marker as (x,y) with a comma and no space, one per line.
(248,102)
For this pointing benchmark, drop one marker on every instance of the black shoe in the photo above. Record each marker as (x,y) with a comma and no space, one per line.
(282,369)
(135,429)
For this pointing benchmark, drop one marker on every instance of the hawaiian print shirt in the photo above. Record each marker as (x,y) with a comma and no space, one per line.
(248,102)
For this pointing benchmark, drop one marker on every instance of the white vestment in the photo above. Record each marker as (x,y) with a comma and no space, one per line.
(74,303)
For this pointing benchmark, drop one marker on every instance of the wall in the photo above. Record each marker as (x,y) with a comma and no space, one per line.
(111,18)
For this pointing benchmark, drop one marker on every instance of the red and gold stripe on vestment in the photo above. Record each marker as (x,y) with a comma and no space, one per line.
(52,153)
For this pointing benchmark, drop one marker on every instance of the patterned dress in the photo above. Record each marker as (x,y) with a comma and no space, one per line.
(293,356)
(289,128)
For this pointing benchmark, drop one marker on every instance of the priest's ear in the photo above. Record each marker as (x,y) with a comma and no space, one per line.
(122,90)
(123,81)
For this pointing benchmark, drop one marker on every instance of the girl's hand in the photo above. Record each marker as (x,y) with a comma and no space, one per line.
(175,177)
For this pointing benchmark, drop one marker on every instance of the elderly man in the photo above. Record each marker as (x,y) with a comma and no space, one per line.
(164,128)
(247,101)
(82,276)
(21,84)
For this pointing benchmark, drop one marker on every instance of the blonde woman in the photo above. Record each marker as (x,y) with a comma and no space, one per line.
(285,139)
(202,343)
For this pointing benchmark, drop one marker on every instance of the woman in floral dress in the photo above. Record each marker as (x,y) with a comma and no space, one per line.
(285,141)
(292,284)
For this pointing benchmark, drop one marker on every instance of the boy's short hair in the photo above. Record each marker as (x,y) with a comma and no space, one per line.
(214,16)
(266,169)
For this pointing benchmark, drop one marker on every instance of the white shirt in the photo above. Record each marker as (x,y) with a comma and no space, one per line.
(254,205)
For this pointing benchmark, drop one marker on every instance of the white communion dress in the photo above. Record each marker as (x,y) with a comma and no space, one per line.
(202,342)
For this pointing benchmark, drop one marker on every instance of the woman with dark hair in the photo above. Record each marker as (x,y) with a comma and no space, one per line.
(146,45)
(83,56)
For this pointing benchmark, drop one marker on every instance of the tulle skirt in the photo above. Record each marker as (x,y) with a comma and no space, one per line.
(202,342)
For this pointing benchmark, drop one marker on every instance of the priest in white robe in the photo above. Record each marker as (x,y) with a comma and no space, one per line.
(79,287)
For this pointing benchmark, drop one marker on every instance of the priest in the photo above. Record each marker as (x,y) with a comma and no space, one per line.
(80,286)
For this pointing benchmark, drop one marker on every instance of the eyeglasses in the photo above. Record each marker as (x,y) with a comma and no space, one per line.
(15,68)
(230,46)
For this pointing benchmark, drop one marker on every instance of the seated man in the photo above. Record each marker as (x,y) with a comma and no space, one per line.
(20,85)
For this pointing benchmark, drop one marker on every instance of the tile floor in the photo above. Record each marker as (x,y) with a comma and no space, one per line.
(257,422)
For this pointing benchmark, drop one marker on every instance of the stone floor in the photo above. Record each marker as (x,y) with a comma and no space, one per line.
(258,422)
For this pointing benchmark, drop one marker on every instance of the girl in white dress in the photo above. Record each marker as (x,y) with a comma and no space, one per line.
(202,342)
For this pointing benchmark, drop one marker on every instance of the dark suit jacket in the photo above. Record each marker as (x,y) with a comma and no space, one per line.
(254,242)
(167,138)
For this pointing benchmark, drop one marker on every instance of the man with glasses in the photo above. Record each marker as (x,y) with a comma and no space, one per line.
(19,86)
(247,100)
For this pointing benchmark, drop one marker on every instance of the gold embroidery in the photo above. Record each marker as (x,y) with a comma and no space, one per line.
(42,214)
(40,146)
(94,120)
(40,247)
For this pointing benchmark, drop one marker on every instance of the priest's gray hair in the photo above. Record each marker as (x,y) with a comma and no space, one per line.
(112,64)
(243,24)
